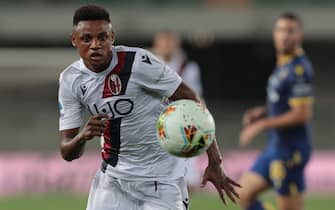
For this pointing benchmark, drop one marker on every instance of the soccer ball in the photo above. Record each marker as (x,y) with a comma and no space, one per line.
(185,128)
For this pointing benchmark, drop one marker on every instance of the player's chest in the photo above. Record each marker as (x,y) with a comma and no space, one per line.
(278,84)
(113,95)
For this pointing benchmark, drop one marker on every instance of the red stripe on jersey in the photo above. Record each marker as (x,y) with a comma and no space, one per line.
(115,84)
(107,92)
(181,69)
(112,143)
(107,142)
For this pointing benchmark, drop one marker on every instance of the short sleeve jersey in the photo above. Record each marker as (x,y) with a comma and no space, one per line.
(290,85)
(130,91)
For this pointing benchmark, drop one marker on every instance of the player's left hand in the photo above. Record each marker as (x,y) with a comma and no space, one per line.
(222,183)
(250,132)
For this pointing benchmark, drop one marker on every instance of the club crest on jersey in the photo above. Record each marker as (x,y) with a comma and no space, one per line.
(114,84)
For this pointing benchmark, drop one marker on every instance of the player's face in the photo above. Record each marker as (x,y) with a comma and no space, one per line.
(287,36)
(94,39)
(165,44)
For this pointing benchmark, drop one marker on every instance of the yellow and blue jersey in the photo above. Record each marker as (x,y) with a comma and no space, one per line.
(290,85)
(288,151)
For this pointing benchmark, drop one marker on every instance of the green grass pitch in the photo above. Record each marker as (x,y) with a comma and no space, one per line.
(198,202)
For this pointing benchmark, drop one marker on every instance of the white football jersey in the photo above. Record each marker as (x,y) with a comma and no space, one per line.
(130,91)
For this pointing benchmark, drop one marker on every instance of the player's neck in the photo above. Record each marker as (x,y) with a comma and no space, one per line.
(284,57)
(99,68)
(295,51)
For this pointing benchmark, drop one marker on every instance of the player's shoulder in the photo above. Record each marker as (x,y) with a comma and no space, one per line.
(304,61)
(71,71)
(302,67)
(123,48)
(69,78)
(143,57)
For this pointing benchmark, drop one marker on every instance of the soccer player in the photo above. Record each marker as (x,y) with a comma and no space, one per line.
(286,117)
(167,46)
(122,88)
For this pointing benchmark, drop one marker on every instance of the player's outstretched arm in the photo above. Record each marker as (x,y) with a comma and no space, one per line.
(253,114)
(296,116)
(214,171)
(73,142)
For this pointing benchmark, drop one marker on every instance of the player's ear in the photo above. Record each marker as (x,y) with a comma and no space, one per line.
(112,37)
(73,40)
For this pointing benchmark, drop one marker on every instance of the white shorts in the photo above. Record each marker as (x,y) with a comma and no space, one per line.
(110,193)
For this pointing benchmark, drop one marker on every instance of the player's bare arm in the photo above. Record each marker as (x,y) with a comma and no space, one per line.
(254,114)
(214,171)
(184,92)
(73,141)
(296,116)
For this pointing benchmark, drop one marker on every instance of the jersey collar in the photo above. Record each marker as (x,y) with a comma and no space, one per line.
(286,59)
(113,63)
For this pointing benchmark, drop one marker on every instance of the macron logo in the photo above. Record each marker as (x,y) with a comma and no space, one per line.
(83,89)
(145,59)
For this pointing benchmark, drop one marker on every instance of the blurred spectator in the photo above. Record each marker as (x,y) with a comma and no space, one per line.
(167,46)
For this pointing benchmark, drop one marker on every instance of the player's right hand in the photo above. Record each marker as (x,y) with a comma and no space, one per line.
(253,115)
(223,184)
(94,127)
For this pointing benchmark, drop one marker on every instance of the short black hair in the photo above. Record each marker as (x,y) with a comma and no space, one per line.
(90,12)
(291,16)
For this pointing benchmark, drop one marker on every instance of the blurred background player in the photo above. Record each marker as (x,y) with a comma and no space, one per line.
(286,117)
(167,46)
